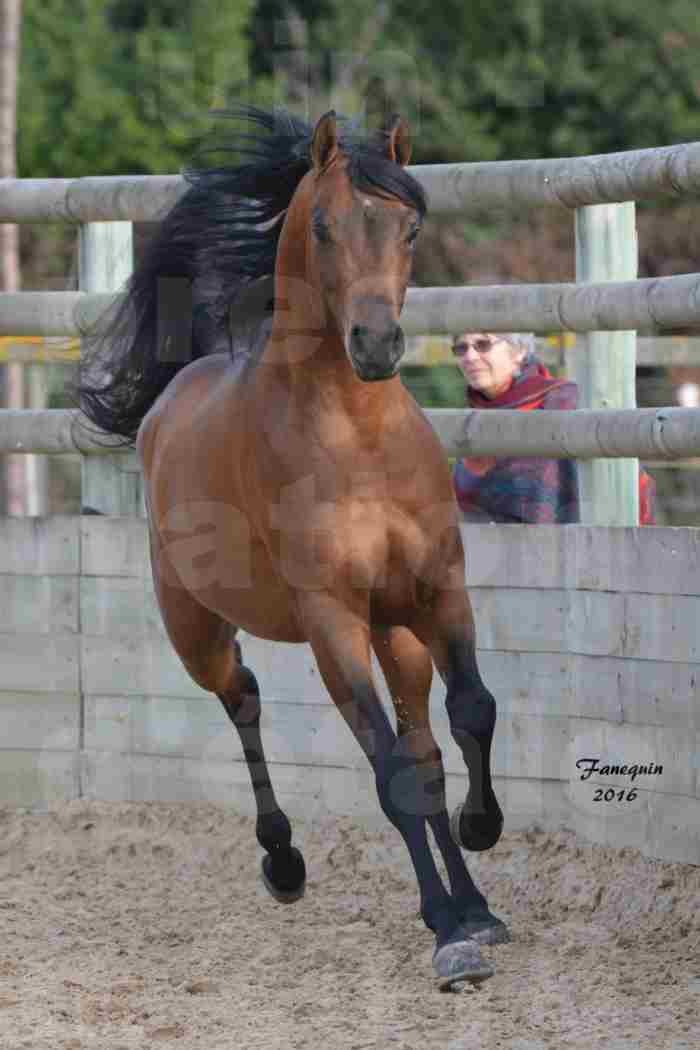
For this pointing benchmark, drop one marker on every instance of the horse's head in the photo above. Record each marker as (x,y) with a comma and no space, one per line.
(362,240)
(361,213)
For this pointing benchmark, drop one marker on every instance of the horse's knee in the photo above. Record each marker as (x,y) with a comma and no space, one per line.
(470,706)
(222,672)
(471,710)
(241,697)
(409,790)
(212,675)
(420,742)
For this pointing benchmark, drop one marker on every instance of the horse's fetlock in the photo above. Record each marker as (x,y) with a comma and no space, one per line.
(439,915)
(273,831)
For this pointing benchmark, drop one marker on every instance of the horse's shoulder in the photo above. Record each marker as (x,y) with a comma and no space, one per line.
(195,379)
(192,384)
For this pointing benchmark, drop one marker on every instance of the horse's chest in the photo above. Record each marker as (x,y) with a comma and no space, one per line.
(384,552)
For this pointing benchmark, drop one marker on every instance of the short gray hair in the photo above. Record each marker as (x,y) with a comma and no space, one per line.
(522,340)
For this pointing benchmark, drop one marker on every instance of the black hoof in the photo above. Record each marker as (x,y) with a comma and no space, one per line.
(285,876)
(477,831)
(460,962)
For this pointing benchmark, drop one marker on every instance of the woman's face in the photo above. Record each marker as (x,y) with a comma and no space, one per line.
(487,361)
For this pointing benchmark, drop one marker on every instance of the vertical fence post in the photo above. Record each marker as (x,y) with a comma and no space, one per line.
(106,262)
(604,363)
(37,472)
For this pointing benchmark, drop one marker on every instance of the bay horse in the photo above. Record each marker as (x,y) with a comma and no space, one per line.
(294,488)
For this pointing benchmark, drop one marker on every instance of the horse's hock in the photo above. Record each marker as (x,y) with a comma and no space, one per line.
(587,637)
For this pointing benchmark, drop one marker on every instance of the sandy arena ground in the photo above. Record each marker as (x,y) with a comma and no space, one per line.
(128,926)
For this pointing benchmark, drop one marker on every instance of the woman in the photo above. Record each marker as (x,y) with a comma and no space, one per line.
(502,371)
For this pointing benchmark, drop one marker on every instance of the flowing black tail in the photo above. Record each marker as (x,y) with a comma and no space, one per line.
(221,235)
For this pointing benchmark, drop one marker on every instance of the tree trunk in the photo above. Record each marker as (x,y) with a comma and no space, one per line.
(10,19)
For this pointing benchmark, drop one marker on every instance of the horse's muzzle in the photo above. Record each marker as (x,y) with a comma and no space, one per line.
(376,354)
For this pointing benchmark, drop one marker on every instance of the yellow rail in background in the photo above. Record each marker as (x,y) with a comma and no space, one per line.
(37,349)
(422,350)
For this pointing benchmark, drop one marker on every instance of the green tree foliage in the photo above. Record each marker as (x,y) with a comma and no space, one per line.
(110,86)
(516,79)
(124,86)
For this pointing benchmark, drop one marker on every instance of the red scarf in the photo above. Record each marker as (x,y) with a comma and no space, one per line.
(526,392)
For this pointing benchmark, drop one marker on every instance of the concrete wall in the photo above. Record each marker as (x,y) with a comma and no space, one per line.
(588,638)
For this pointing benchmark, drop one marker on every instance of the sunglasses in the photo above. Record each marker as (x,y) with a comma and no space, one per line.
(482,345)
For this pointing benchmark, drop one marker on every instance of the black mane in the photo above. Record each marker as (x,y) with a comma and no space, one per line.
(219,238)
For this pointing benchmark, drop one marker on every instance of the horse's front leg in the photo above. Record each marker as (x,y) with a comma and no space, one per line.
(340,638)
(408,670)
(449,634)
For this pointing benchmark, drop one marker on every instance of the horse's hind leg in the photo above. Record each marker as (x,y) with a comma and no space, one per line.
(207,647)
(408,668)
(283,869)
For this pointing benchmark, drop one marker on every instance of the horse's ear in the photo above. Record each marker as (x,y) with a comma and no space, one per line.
(397,140)
(324,144)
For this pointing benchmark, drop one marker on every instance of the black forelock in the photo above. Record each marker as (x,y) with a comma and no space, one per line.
(370,170)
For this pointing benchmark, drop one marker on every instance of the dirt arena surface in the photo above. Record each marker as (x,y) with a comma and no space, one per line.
(128,926)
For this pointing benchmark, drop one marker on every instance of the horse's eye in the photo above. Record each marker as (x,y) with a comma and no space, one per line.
(413,235)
